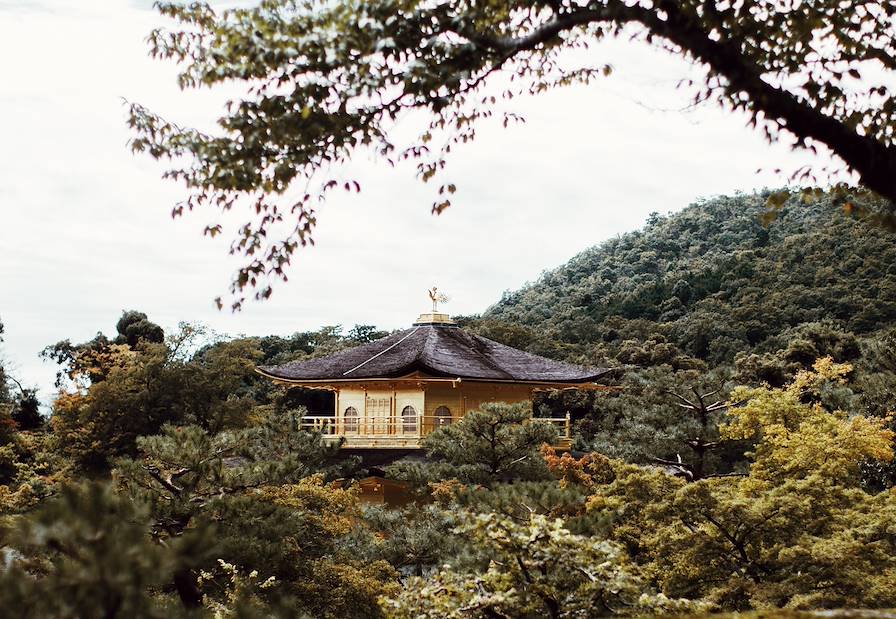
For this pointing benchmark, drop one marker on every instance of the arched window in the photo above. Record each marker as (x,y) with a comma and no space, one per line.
(350,419)
(408,419)
(443,416)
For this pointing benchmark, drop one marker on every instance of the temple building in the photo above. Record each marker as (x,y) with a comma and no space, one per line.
(391,393)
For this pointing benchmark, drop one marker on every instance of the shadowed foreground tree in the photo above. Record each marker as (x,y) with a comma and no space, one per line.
(86,553)
(322,80)
(264,491)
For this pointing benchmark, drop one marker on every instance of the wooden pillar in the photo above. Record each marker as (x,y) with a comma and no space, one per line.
(365,429)
(337,418)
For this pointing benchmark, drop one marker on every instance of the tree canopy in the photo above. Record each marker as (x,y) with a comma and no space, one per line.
(321,81)
(747,463)
(700,301)
(710,282)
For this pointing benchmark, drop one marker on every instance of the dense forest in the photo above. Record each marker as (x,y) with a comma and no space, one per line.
(709,298)
(714,283)
(743,461)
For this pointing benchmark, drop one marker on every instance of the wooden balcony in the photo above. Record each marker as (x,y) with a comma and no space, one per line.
(397,433)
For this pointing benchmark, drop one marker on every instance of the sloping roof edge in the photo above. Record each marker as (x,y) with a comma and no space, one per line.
(431,375)
(438,351)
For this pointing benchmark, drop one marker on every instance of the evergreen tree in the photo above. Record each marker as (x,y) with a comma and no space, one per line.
(498,442)
(86,554)
(263,490)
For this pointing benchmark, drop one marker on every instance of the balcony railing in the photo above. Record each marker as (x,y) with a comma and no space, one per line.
(392,431)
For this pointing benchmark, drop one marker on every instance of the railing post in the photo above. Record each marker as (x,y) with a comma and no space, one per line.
(568,433)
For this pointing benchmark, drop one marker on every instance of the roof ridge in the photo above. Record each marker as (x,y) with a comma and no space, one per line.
(485,358)
(537,356)
(385,350)
(422,351)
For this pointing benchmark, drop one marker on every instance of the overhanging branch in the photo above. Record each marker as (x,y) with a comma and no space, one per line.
(874,161)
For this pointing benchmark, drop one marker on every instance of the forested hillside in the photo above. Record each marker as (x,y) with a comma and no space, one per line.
(706,299)
(713,281)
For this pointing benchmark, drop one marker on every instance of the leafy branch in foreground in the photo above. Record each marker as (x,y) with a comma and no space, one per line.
(323,80)
(533,569)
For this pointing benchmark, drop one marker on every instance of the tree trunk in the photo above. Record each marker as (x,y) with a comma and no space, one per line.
(187,590)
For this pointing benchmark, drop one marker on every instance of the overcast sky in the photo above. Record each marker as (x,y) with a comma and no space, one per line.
(85,229)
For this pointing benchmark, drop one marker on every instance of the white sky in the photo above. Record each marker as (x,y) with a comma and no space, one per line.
(85,230)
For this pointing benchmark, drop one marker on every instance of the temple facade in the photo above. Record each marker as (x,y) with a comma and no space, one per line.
(391,393)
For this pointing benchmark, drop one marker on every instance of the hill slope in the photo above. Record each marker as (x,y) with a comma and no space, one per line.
(711,281)
(705,299)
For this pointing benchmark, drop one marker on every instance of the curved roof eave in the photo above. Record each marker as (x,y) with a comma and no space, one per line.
(437,351)
(410,374)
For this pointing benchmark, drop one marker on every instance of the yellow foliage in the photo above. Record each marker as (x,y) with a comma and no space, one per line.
(823,369)
(333,509)
(798,436)
(16,500)
(348,590)
(33,469)
(798,531)
(92,364)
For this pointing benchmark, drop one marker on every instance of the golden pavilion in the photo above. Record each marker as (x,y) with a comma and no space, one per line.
(392,392)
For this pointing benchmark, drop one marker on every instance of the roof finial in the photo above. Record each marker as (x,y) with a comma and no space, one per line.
(437,297)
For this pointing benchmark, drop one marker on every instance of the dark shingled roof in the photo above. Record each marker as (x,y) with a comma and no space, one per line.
(437,350)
